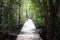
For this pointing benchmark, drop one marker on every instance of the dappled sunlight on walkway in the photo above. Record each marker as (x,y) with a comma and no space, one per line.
(29,31)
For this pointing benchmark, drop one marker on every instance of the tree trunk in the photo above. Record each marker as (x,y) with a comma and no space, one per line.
(50,15)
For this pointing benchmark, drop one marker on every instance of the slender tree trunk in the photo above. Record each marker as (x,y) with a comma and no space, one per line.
(1,11)
(19,16)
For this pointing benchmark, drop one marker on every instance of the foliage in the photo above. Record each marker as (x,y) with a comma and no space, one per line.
(9,14)
(13,11)
(34,12)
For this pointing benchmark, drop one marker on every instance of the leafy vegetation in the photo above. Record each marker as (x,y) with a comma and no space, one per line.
(44,13)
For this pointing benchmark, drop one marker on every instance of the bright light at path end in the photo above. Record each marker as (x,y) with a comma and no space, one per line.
(28,26)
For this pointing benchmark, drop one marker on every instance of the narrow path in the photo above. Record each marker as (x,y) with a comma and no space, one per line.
(28,37)
(29,31)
